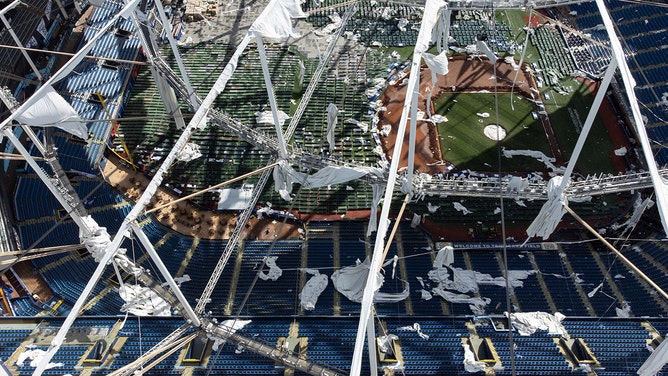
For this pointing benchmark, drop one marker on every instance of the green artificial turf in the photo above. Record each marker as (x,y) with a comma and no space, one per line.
(464,144)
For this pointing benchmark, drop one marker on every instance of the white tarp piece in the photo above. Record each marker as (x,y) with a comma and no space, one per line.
(526,323)
(312,289)
(275,25)
(35,356)
(517,184)
(234,198)
(331,27)
(470,364)
(539,155)
(444,257)
(624,311)
(465,281)
(377,195)
(285,176)
(460,208)
(550,214)
(267,117)
(274,271)
(351,280)
(230,326)
(437,64)
(52,110)
(415,328)
(189,152)
(417,219)
(142,301)
(385,344)
(364,127)
(656,360)
(477,305)
(332,114)
(97,241)
(484,48)
(621,151)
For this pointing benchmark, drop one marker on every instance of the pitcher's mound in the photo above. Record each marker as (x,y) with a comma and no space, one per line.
(495,132)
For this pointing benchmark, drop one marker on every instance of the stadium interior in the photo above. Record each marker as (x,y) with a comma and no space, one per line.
(202,187)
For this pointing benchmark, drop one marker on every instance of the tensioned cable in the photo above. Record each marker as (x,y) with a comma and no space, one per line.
(264,260)
(52,228)
(89,57)
(501,204)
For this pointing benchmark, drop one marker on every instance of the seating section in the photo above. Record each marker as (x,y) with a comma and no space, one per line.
(535,354)
(555,62)
(468,26)
(10,340)
(98,89)
(640,27)
(435,350)
(620,346)
(24,20)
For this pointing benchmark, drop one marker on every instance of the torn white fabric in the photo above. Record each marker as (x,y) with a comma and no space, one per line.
(331,27)
(377,194)
(178,280)
(656,360)
(621,151)
(429,18)
(189,152)
(624,311)
(517,184)
(142,301)
(364,127)
(526,323)
(437,64)
(477,304)
(415,328)
(460,208)
(470,364)
(551,212)
(385,344)
(417,219)
(332,114)
(230,327)
(309,295)
(274,271)
(52,110)
(425,295)
(539,155)
(444,257)
(275,23)
(351,280)
(267,117)
(285,176)
(432,208)
(97,240)
(236,199)
(402,24)
(35,356)
(484,48)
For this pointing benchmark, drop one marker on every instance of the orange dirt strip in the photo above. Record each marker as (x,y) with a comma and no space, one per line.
(188,219)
